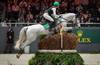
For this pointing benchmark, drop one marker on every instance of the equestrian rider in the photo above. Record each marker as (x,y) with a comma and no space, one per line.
(50,14)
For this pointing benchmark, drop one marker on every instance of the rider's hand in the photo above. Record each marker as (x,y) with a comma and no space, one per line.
(56,16)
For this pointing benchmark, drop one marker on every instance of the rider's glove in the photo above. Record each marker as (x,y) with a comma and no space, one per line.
(56,16)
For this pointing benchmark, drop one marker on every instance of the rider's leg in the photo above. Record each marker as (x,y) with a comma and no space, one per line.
(46,16)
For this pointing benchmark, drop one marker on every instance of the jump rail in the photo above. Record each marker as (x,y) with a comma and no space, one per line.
(68,24)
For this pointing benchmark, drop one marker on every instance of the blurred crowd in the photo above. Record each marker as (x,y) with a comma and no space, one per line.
(30,11)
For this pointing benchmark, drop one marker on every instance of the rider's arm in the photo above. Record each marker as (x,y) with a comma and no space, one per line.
(54,12)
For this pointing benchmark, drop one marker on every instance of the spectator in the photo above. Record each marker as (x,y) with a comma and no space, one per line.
(85,17)
(29,17)
(9,11)
(34,10)
(15,10)
(10,41)
(22,11)
(63,7)
(23,4)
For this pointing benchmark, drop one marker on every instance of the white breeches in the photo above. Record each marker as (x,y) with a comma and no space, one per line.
(46,16)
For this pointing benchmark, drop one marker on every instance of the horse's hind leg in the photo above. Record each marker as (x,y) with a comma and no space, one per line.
(21,51)
(25,44)
(30,38)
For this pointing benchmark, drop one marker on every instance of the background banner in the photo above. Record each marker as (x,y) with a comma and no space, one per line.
(88,34)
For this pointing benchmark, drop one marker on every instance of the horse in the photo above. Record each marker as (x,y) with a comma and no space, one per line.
(28,34)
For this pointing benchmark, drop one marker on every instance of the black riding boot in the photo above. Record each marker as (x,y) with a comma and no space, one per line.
(52,25)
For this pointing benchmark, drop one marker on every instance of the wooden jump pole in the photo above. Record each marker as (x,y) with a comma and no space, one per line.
(61,34)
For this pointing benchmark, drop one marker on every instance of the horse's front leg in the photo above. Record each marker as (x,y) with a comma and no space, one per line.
(78,22)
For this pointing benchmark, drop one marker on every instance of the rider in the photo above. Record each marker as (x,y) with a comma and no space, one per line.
(50,14)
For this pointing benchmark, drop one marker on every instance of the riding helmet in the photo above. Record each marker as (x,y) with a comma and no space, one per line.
(56,4)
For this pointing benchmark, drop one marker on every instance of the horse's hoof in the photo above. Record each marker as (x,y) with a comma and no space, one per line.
(17,56)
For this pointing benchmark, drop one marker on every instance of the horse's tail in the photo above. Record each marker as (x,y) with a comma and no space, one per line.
(22,38)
